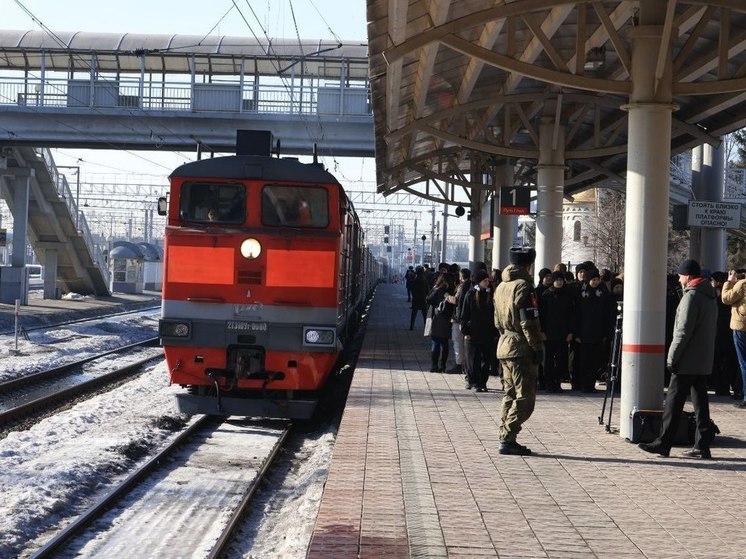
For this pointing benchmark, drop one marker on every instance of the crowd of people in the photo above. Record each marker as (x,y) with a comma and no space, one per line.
(577,312)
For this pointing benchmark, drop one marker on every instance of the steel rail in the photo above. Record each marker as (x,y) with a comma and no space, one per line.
(78,320)
(27,408)
(84,520)
(226,536)
(40,376)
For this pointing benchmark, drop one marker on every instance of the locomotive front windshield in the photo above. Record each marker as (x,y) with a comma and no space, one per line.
(295,206)
(213,202)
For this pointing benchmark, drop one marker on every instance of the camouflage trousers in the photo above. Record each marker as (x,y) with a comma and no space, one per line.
(519,383)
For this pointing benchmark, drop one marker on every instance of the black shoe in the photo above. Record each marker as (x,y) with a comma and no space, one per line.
(697,453)
(513,448)
(741,404)
(433,369)
(468,386)
(455,370)
(481,389)
(654,448)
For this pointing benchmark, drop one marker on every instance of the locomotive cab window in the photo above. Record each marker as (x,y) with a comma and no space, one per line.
(295,206)
(211,202)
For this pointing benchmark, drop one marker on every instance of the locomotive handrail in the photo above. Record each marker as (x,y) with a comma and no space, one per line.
(205,299)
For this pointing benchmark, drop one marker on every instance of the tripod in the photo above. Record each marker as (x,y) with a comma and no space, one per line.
(612,373)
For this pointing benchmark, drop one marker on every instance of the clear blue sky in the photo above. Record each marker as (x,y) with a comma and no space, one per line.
(310,19)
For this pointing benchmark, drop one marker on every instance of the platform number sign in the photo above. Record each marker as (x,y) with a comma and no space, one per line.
(514,200)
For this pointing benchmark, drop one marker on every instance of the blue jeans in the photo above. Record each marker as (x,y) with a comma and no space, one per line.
(739,340)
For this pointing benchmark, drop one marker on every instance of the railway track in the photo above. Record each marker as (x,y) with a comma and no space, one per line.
(173,505)
(11,331)
(30,394)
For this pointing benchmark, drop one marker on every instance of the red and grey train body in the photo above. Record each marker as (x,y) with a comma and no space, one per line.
(265,276)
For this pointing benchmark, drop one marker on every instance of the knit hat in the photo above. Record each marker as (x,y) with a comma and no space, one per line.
(521,256)
(720,277)
(689,268)
(558,276)
(591,273)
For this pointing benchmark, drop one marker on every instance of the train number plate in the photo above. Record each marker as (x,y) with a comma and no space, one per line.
(242,326)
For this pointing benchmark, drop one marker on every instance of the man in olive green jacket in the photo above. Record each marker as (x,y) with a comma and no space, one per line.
(690,362)
(520,348)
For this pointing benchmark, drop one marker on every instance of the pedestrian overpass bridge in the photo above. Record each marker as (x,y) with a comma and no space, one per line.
(181,92)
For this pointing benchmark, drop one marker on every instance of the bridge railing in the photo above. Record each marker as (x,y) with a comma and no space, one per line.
(130,94)
(63,189)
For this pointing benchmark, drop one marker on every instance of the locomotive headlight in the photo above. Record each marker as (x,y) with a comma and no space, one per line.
(251,248)
(318,336)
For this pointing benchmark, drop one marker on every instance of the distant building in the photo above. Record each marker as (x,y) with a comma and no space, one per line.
(578,224)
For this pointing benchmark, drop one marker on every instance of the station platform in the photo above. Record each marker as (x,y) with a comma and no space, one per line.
(416,471)
(40,311)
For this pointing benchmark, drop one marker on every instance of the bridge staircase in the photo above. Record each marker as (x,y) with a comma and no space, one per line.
(55,223)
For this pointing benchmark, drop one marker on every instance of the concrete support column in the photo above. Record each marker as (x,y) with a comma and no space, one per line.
(649,140)
(695,245)
(504,228)
(550,190)
(712,240)
(21,189)
(50,274)
(476,246)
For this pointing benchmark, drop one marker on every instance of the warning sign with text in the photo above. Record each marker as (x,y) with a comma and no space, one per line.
(725,215)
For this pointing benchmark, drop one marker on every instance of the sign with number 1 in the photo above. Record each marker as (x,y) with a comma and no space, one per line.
(514,200)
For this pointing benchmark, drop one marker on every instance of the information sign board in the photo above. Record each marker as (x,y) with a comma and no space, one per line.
(515,200)
(723,215)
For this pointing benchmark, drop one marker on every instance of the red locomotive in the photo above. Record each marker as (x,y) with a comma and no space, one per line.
(265,278)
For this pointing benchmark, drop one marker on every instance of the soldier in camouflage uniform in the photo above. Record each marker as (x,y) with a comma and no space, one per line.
(520,348)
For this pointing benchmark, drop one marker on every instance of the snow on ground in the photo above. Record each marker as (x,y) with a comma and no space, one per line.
(64,463)
(282,523)
(50,471)
(49,348)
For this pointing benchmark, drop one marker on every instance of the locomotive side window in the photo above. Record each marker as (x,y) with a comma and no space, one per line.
(295,206)
(211,202)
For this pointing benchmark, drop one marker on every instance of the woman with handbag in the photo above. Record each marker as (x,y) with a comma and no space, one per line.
(441,301)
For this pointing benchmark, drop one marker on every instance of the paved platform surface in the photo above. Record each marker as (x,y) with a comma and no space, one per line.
(41,311)
(416,472)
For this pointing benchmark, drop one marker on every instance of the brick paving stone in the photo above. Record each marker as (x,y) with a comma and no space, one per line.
(416,472)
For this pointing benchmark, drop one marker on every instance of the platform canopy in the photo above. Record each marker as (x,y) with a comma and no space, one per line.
(461,85)
(177,54)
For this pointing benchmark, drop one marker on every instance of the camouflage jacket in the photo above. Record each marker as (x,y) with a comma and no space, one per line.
(517,315)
